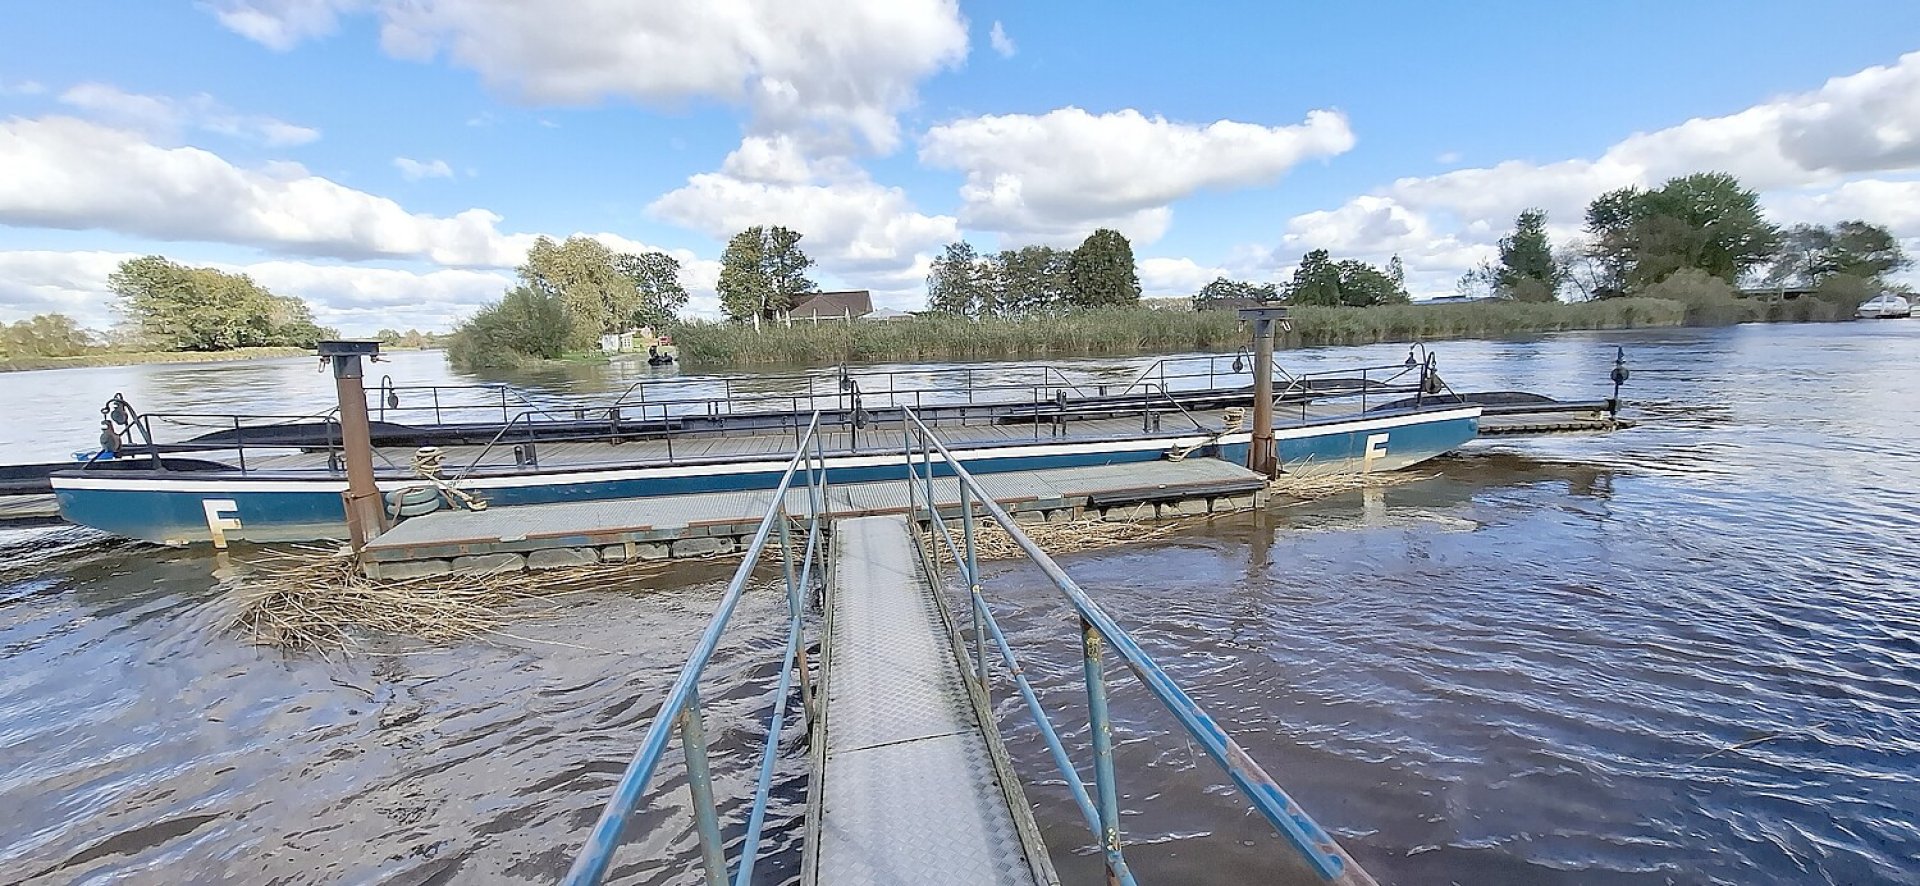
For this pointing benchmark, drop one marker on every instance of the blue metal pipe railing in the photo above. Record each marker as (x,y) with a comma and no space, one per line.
(682,709)
(1101,635)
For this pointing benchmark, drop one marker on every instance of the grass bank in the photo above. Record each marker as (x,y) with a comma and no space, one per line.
(1144,331)
(131,358)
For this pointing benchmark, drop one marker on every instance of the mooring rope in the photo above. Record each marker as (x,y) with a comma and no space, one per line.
(428,465)
(1230,422)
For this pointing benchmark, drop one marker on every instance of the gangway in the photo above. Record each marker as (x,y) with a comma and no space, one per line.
(908,780)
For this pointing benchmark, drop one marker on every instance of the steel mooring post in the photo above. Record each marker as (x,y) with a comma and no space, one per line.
(1260,453)
(366,517)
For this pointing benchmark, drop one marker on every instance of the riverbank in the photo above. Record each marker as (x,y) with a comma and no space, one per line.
(1129,331)
(133,358)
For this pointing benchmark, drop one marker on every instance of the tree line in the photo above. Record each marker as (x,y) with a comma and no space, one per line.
(1694,238)
(1034,280)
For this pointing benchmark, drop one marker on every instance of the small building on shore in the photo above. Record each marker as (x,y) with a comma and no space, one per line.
(628,342)
(844,305)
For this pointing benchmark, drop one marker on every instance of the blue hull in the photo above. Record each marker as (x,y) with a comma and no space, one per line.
(182,509)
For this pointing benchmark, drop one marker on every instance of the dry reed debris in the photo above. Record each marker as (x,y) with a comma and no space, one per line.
(1309,485)
(313,598)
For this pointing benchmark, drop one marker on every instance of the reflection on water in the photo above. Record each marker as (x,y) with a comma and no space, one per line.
(1689,653)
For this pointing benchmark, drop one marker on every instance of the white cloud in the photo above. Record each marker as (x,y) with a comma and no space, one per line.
(71,283)
(1805,152)
(853,226)
(281,24)
(414,170)
(166,118)
(1059,175)
(71,174)
(835,66)
(776,159)
(21,87)
(1895,204)
(1175,277)
(1002,43)
(850,227)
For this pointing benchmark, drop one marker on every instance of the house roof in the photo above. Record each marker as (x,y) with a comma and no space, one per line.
(831,305)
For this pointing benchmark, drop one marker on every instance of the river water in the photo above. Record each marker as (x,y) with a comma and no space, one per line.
(1684,653)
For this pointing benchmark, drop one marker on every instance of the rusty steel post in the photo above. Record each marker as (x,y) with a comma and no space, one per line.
(366,517)
(1260,453)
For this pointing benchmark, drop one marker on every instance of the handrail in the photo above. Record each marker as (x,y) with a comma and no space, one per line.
(682,707)
(1099,631)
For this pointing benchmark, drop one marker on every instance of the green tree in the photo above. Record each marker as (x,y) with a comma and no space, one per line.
(1705,221)
(959,282)
(1223,290)
(1363,286)
(1316,281)
(1319,280)
(1527,269)
(598,298)
(1101,272)
(528,322)
(1030,280)
(45,335)
(656,280)
(761,270)
(1809,254)
(1867,251)
(1480,281)
(178,308)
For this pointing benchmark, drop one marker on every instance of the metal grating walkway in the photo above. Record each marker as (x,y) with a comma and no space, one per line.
(912,788)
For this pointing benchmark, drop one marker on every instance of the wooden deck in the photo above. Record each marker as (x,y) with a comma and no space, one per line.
(875,439)
(705,524)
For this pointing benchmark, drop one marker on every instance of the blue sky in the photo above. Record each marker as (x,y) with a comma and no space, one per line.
(389,161)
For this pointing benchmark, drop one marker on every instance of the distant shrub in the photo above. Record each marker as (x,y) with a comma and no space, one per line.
(1709,300)
(525,324)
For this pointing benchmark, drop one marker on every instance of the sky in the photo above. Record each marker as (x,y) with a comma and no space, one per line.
(390,161)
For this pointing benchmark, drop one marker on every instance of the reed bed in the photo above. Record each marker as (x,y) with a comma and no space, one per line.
(307,598)
(1143,330)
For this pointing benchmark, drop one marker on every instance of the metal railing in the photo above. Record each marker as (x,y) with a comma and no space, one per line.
(231,431)
(1098,633)
(682,710)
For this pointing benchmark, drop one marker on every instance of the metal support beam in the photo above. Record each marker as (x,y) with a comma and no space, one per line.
(366,516)
(1261,457)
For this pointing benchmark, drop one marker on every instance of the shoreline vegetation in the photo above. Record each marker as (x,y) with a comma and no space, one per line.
(1673,255)
(138,358)
(1668,256)
(1143,330)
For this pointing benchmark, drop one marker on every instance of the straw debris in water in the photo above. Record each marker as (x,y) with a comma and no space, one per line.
(1320,485)
(313,598)
(994,543)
